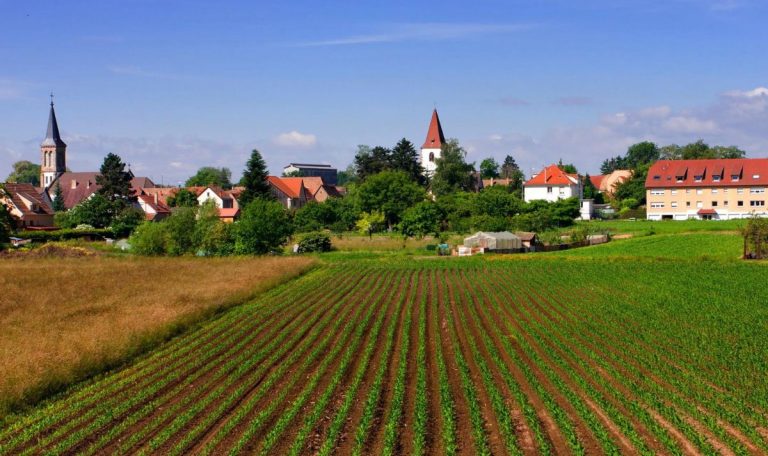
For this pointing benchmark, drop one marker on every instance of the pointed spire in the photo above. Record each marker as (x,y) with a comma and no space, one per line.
(52,136)
(435,138)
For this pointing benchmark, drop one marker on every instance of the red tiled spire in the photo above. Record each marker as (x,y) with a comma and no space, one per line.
(435,138)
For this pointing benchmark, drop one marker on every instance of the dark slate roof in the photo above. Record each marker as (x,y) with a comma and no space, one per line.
(52,136)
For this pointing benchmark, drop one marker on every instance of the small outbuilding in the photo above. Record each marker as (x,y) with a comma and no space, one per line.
(528,239)
(494,241)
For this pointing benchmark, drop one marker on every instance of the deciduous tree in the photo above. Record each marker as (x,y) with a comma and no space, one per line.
(489,169)
(25,172)
(208,175)
(453,173)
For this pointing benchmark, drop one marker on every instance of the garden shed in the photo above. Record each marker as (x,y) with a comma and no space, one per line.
(499,241)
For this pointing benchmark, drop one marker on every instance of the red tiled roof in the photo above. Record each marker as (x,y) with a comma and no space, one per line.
(282,186)
(435,138)
(707,212)
(295,184)
(20,192)
(553,175)
(230,212)
(312,184)
(597,180)
(667,173)
(85,185)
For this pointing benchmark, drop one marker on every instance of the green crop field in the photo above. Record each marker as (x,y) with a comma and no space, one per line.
(567,353)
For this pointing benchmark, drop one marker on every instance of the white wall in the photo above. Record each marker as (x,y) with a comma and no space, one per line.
(429,167)
(210,194)
(558,192)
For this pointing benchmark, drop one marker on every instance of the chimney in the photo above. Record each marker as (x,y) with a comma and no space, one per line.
(155,199)
(74,183)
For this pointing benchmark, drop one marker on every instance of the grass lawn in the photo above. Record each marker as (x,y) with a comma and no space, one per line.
(64,319)
(641,227)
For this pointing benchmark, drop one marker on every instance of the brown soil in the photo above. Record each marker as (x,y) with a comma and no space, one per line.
(375,441)
(492,428)
(685,444)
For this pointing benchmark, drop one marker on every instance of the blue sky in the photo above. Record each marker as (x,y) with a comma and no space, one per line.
(171,86)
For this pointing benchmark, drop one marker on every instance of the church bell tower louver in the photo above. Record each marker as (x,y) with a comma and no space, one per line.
(53,151)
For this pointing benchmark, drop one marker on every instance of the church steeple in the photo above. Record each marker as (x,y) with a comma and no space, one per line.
(435,138)
(52,136)
(53,151)
(432,149)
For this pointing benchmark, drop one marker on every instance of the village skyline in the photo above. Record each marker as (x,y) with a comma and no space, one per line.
(172,91)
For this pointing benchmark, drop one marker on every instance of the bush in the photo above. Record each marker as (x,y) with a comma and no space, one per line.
(63,235)
(127,221)
(181,231)
(264,227)
(149,239)
(315,242)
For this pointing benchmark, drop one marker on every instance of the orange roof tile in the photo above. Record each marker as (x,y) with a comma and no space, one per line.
(553,175)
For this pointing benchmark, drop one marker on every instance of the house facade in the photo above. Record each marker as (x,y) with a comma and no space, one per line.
(290,191)
(27,205)
(715,189)
(552,184)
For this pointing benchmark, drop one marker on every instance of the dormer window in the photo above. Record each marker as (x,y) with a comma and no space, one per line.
(715,178)
(755,176)
(656,177)
(698,178)
(735,177)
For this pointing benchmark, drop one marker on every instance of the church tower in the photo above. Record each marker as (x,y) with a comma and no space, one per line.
(54,152)
(432,148)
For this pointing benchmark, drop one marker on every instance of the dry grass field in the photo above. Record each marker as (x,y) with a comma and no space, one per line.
(65,318)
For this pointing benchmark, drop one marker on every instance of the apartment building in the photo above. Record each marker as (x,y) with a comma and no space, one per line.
(717,189)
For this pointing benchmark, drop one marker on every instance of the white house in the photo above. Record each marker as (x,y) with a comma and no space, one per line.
(552,184)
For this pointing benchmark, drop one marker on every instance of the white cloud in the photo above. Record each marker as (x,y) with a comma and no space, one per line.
(427,31)
(685,124)
(295,139)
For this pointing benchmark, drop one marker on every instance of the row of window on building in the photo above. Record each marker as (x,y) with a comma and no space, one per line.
(700,204)
(700,191)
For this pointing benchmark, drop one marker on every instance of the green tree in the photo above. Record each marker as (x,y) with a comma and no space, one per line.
(728,152)
(58,199)
(182,198)
(568,167)
(389,192)
(370,161)
(346,176)
(181,231)
(610,165)
(634,187)
(126,221)
(264,226)
(453,173)
(25,172)
(671,152)
(209,175)
(6,221)
(255,180)
(509,167)
(497,201)
(642,153)
(212,236)
(405,158)
(421,219)
(115,182)
(489,169)
(149,238)
(591,192)
(97,211)
(370,223)
(458,208)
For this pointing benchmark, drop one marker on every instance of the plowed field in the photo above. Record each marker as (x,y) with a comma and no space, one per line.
(545,356)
